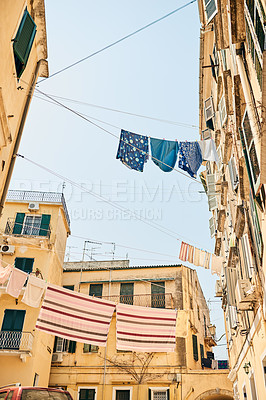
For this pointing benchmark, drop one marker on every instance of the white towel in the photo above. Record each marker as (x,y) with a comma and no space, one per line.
(202,258)
(196,257)
(34,291)
(208,150)
(216,265)
(16,282)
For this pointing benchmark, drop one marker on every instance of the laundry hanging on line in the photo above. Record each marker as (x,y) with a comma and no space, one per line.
(144,329)
(75,316)
(34,291)
(16,282)
(133,151)
(4,273)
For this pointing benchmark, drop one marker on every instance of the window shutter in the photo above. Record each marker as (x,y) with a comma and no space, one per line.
(212,227)
(149,394)
(210,9)
(233,173)
(213,204)
(208,109)
(72,346)
(211,184)
(18,223)
(222,111)
(24,264)
(201,351)
(206,134)
(256,227)
(247,256)
(195,347)
(23,42)
(233,317)
(13,320)
(168,394)
(44,229)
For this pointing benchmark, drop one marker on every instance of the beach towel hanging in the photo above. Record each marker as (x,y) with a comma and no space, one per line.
(34,291)
(4,273)
(16,282)
(164,153)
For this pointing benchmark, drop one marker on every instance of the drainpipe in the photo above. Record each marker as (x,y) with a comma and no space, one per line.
(248,94)
(19,135)
(191,390)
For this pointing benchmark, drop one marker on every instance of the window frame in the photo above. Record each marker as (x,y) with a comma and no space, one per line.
(90,346)
(210,18)
(195,347)
(88,387)
(115,388)
(96,284)
(31,226)
(160,389)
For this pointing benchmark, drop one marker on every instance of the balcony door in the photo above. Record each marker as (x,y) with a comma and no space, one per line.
(11,331)
(158,294)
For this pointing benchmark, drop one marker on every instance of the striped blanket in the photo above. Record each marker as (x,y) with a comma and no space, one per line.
(75,316)
(144,329)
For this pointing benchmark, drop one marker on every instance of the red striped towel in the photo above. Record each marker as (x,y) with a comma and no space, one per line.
(183,251)
(75,316)
(145,329)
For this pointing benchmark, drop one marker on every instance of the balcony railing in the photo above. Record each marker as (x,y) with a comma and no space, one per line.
(14,340)
(27,230)
(46,197)
(159,300)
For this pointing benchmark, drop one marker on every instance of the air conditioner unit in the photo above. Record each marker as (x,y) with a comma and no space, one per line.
(245,294)
(57,357)
(7,249)
(33,206)
(218,289)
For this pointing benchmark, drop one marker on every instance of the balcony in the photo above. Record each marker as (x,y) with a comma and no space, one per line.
(45,197)
(15,342)
(27,230)
(159,300)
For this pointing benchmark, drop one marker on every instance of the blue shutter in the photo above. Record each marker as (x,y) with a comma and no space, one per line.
(23,42)
(18,223)
(44,229)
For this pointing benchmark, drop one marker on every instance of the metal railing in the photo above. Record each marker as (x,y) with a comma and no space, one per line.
(14,340)
(26,230)
(159,300)
(49,197)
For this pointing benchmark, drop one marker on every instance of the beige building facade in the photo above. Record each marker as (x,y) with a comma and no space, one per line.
(23,53)
(33,233)
(232,113)
(92,373)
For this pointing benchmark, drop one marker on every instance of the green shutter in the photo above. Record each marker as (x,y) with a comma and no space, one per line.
(195,347)
(13,320)
(72,346)
(18,223)
(201,351)
(24,264)
(23,42)
(44,229)
(149,394)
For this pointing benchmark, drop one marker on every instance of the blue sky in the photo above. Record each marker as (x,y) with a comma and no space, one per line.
(155,73)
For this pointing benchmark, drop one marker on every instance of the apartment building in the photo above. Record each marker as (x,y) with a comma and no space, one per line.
(23,54)
(232,112)
(33,233)
(94,373)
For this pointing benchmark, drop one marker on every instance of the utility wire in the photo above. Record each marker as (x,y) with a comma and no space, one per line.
(118,41)
(122,112)
(113,134)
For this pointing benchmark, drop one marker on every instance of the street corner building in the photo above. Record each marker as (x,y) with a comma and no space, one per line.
(232,98)
(23,54)
(34,229)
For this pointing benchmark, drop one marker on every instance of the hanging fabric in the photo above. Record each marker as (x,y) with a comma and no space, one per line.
(145,329)
(4,273)
(190,158)
(16,282)
(164,152)
(216,265)
(34,291)
(207,260)
(202,258)
(196,261)
(190,254)
(183,251)
(75,316)
(208,150)
(133,157)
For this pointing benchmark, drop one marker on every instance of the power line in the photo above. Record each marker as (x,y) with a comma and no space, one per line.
(118,41)
(183,125)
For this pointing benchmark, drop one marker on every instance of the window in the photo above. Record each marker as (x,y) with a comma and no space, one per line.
(233,173)
(209,112)
(250,154)
(120,393)
(205,325)
(126,293)
(195,347)
(24,264)
(11,331)
(87,394)
(23,41)
(198,311)
(32,225)
(222,111)
(159,393)
(256,226)
(64,345)
(247,256)
(69,287)
(201,351)
(210,9)
(90,348)
(158,294)
(96,289)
